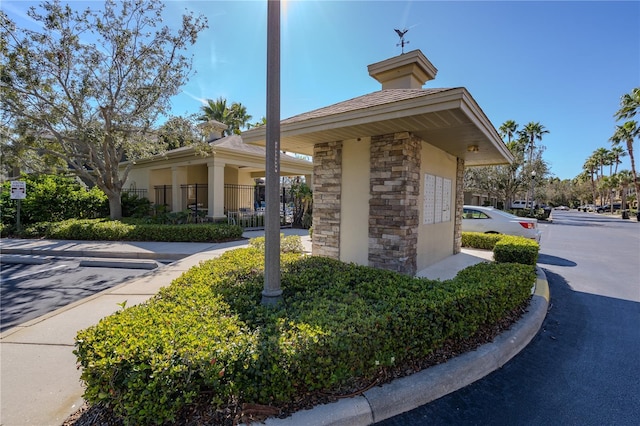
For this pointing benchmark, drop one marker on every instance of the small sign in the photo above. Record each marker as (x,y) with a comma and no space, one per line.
(18,190)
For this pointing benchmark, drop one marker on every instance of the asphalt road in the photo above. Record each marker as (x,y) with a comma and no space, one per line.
(583,367)
(28,290)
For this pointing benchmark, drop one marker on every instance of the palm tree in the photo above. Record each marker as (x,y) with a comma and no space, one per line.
(617,152)
(508,129)
(591,166)
(625,178)
(533,131)
(602,155)
(627,133)
(240,118)
(234,116)
(629,105)
(217,110)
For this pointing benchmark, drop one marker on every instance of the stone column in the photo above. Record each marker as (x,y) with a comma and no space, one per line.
(327,189)
(457,213)
(393,207)
(215,186)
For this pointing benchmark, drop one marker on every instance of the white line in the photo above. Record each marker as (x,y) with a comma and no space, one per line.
(17,277)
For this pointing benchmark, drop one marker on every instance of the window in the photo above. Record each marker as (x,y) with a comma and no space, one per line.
(474,214)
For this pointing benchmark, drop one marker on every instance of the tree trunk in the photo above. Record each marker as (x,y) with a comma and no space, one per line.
(115,205)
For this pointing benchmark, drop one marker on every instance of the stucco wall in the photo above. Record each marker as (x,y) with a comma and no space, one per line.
(137,178)
(197,174)
(436,241)
(354,227)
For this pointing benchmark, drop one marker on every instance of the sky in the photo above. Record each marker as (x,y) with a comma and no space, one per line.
(564,64)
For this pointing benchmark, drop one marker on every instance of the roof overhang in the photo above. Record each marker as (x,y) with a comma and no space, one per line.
(449,119)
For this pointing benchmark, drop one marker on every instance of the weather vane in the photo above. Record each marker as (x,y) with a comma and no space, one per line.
(401,35)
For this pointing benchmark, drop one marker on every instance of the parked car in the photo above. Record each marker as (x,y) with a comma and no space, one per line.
(607,207)
(521,204)
(564,208)
(492,221)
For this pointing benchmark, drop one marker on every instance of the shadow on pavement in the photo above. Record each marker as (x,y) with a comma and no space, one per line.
(547,259)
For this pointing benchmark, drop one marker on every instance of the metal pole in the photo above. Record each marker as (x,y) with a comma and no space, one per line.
(272,293)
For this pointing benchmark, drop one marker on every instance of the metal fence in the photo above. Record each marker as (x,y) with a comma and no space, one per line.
(244,205)
(195,197)
(163,196)
(140,193)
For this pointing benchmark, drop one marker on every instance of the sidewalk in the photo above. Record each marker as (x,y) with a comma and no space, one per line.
(40,384)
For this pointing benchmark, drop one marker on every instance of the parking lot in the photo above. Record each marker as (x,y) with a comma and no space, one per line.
(35,285)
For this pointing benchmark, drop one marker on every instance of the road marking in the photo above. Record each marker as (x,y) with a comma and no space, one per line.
(17,277)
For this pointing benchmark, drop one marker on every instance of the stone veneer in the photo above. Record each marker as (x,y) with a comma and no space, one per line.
(393,207)
(457,214)
(327,190)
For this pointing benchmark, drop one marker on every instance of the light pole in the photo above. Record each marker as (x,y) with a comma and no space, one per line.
(533,196)
(272,293)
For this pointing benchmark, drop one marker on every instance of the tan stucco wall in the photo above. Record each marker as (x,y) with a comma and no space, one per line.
(197,174)
(435,241)
(354,210)
(137,178)
(156,178)
(244,178)
(231,175)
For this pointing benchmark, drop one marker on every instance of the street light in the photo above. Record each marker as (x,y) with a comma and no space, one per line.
(533,195)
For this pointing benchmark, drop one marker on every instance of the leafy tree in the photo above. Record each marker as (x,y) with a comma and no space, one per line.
(92,83)
(178,132)
(52,198)
(234,116)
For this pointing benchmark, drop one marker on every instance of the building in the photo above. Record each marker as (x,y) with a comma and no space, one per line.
(217,184)
(388,166)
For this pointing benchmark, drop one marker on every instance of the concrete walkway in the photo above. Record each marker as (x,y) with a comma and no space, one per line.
(40,383)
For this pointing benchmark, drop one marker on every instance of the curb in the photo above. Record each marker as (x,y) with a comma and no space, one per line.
(93,253)
(120,263)
(410,392)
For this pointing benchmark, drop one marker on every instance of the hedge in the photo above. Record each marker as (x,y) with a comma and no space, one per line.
(113,230)
(506,248)
(207,334)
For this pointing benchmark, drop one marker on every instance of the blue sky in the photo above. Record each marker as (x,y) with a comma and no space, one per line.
(563,64)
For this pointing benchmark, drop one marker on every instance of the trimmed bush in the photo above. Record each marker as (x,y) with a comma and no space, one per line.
(207,334)
(506,248)
(479,240)
(288,244)
(113,230)
(511,249)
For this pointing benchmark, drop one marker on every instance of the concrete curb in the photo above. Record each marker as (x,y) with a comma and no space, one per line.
(120,263)
(16,259)
(410,392)
(93,253)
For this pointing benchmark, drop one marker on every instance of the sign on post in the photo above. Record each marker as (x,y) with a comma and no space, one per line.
(18,190)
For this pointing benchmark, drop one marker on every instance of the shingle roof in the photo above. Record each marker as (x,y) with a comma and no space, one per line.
(381,97)
(235,143)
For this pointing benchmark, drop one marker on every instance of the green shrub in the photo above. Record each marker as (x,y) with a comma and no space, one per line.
(52,198)
(207,334)
(113,230)
(506,248)
(479,240)
(134,206)
(288,244)
(511,249)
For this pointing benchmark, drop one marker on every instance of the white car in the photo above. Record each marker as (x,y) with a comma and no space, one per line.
(492,221)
